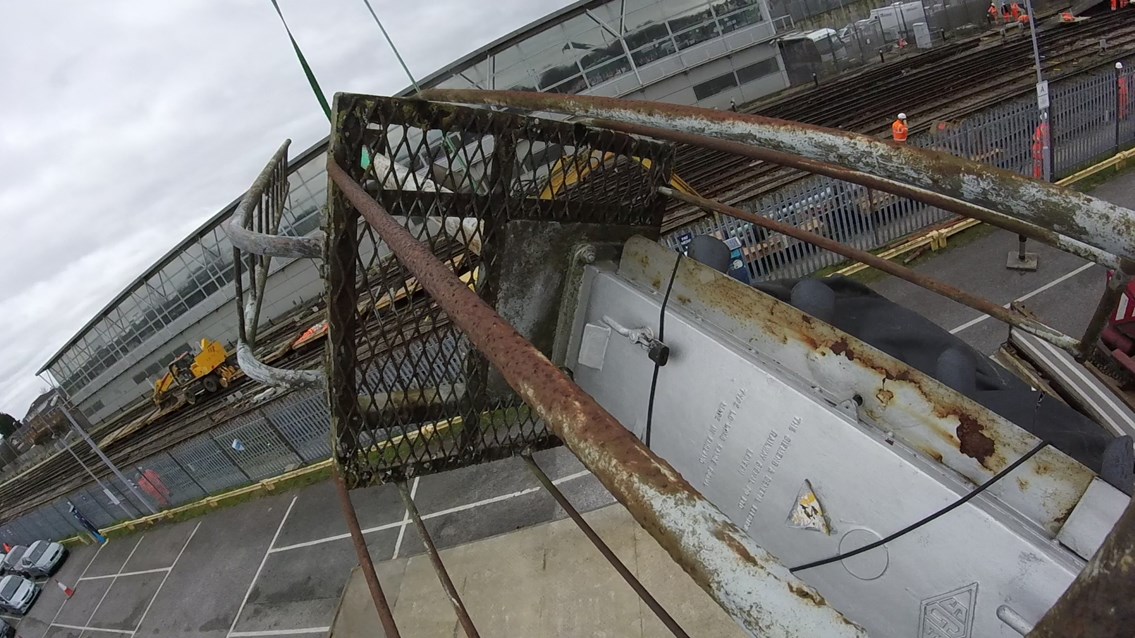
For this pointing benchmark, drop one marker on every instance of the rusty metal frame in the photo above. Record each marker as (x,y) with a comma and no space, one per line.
(749,584)
(645,596)
(1085,219)
(366,563)
(252,230)
(980,304)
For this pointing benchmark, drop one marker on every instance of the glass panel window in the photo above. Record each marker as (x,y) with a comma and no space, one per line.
(715,86)
(758,70)
(609,70)
(737,18)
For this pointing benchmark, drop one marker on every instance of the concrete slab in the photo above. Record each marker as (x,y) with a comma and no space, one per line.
(301,588)
(356,615)
(468,525)
(423,610)
(160,547)
(79,608)
(215,571)
(585,493)
(126,601)
(113,556)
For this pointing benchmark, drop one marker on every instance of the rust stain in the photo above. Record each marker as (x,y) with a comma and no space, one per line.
(807,593)
(973,440)
(932,453)
(840,347)
(884,396)
(1022,483)
(736,546)
(682,299)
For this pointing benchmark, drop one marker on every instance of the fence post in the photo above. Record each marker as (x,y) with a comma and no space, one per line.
(1118,102)
(231,458)
(276,430)
(188,473)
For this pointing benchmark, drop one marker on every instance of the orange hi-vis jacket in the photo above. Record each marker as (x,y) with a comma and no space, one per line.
(899,131)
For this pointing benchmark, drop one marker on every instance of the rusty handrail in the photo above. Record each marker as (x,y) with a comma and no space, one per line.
(749,584)
(366,563)
(1049,334)
(258,243)
(1086,219)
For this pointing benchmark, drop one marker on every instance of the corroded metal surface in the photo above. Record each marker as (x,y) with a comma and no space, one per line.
(914,408)
(961,207)
(980,304)
(755,589)
(1098,603)
(362,552)
(272,245)
(1086,219)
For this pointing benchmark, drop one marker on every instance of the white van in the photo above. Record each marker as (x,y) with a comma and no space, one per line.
(828,43)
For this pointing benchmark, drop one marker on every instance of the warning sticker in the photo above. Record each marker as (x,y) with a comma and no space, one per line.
(807,513)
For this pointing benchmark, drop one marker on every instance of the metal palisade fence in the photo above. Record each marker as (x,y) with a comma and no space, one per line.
(1092,117)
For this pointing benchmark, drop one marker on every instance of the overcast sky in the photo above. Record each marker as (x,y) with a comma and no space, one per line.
(125,124)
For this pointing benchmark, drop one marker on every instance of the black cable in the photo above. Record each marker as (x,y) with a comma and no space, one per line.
(949,508)
(661,334)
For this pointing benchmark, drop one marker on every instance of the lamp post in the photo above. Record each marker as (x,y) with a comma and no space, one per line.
(1020,259)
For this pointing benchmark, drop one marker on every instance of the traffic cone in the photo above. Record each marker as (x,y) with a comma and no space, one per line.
(67,591)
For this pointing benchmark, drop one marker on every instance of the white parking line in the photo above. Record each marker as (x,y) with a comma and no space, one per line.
(280,632)
(1055,282)
(259,569)
(405,519)
(403,523)
(85,628)
(108,588)
(137,573)
(81,574)
(168,571)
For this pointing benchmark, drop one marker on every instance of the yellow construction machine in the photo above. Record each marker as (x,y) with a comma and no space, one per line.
(190,377)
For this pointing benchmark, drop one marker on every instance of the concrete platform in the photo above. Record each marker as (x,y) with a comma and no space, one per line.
(544,580)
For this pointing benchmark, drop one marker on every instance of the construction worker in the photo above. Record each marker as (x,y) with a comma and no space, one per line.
(994,12)
(1124,98)
(1015,11)
(1067,17)
(1040,135)
(899,129)
(1024,19)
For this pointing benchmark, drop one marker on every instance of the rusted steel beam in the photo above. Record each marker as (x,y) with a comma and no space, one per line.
(749,584)
(1098,603)
(259,243)
(1092,221)
(439,567)
(363,555)
(980,304)
(1109,302)
(873,182)
(644,595)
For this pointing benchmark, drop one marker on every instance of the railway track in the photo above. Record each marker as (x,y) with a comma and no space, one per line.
(944,84)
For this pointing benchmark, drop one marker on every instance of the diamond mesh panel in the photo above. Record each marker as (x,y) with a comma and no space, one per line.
(408,392)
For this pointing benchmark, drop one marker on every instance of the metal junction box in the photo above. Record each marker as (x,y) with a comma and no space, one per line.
(817,444)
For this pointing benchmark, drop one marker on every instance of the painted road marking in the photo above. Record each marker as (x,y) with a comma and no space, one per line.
(280,632)
(109,587)
(84,628)
(168,571)
(81,574)
(452,510)
(137,573)
(405,519)
(1055,282)
(259,569)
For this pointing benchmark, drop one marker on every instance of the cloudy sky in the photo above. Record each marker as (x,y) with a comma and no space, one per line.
(124,124)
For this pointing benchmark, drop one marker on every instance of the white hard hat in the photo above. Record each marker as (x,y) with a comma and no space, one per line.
(902,116)
(1119,65)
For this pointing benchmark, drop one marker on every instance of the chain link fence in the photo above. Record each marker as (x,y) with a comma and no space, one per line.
(1092,118)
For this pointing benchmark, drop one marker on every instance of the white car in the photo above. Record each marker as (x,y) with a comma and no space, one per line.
(43,558)
(17,594)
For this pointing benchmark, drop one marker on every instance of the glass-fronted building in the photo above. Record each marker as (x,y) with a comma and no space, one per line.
(693,52)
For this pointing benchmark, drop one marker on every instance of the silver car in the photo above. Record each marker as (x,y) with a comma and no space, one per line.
(11,563)
(43,558)
(17,594)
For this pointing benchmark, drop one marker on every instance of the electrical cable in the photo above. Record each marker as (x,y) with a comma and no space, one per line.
(661,336)
(942,512)
(304,65)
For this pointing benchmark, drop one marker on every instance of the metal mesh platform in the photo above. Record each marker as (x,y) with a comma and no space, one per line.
(502,199)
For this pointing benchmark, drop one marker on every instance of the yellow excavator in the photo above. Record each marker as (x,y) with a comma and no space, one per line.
(190,377)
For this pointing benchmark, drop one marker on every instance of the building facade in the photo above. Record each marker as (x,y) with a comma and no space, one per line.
(694,52)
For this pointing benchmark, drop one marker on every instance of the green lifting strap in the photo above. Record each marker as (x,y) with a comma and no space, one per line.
(365,159)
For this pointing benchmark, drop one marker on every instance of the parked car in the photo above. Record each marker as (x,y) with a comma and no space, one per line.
(6,630)
(43,558)
(17,594)
(11,564)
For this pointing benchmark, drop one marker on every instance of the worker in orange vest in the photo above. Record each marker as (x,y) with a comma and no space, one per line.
(899,129)
(994,12)
(1039,137)
(1124,96)
(1015,10)
(1024,19)
(1067,17)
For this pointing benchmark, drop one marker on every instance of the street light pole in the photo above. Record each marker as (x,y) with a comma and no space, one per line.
(106,461)
(101,485)
(1042,94)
